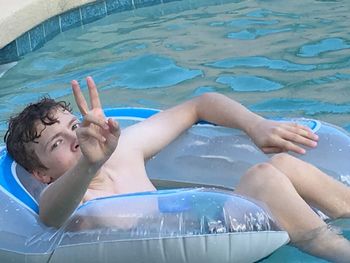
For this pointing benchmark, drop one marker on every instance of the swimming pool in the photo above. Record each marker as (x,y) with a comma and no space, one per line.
(289,59)
(280,59)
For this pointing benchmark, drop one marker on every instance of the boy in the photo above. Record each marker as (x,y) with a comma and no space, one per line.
(94,158)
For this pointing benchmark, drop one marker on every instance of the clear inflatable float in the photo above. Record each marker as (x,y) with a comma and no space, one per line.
(194,217)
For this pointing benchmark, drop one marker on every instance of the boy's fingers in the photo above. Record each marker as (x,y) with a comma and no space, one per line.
(268,150)
(79,98)
(114,127)
(88,132)
(289,146)
(303,131)
(91,119)
(301,140)
(94,98)
(297,136)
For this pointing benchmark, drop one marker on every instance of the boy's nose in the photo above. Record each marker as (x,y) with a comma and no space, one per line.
(74,141)
(75,146)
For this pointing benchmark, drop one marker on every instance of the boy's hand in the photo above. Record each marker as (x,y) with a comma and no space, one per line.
(97,136)
(274,137)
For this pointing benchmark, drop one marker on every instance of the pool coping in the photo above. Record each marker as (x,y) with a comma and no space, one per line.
(26,25)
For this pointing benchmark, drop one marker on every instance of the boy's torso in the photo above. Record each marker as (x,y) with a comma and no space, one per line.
(123,173)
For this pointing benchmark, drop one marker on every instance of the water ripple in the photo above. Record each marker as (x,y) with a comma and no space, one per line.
(50,64)
(144,72)
(243,23)
(252,33)
(247,22)
(325,45)
(130,47)
(249,83)
(260,62)
(267,12)
(179,47)
(309,107)
(200,90)
(331,78)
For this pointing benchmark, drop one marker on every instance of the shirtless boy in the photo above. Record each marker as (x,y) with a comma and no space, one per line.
(93,158)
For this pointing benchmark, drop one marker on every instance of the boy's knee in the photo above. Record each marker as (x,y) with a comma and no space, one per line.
(260,180)
(260,168)
(281,159)
(262,174)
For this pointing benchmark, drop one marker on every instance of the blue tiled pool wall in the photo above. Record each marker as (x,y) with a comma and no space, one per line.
(39,35)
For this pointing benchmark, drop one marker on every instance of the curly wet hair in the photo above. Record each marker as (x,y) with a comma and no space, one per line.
(22,129)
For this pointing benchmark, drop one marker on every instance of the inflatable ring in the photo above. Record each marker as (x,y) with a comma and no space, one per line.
(201,224)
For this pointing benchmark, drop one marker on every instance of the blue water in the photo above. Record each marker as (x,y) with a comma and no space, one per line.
(279,58)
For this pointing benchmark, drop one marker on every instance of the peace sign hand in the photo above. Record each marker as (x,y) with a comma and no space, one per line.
(97,136)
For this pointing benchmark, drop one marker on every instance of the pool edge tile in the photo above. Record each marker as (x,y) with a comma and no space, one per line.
(70,19)
(37,37)
(93,12)
(52,27)
(23,44)
(145,3)
(115,6)
(9,53)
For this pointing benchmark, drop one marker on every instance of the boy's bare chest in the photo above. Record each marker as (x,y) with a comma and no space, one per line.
(119,178)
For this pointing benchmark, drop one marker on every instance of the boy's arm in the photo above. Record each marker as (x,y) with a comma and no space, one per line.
(98,139)
(59,200)
(157,131)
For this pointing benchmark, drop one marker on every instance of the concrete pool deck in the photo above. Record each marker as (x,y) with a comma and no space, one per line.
(19,16)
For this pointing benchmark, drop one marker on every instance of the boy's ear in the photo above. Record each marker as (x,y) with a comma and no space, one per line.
(41,175)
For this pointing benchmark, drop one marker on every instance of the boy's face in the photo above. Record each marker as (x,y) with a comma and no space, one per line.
(57,147)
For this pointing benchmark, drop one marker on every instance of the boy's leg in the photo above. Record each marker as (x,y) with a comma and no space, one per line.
(264,182)
(307,231)
(315,187)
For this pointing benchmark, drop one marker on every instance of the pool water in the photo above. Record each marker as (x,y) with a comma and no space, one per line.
(279,58)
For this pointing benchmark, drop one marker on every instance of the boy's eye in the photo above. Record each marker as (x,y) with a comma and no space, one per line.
(56,144)
(75,126)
